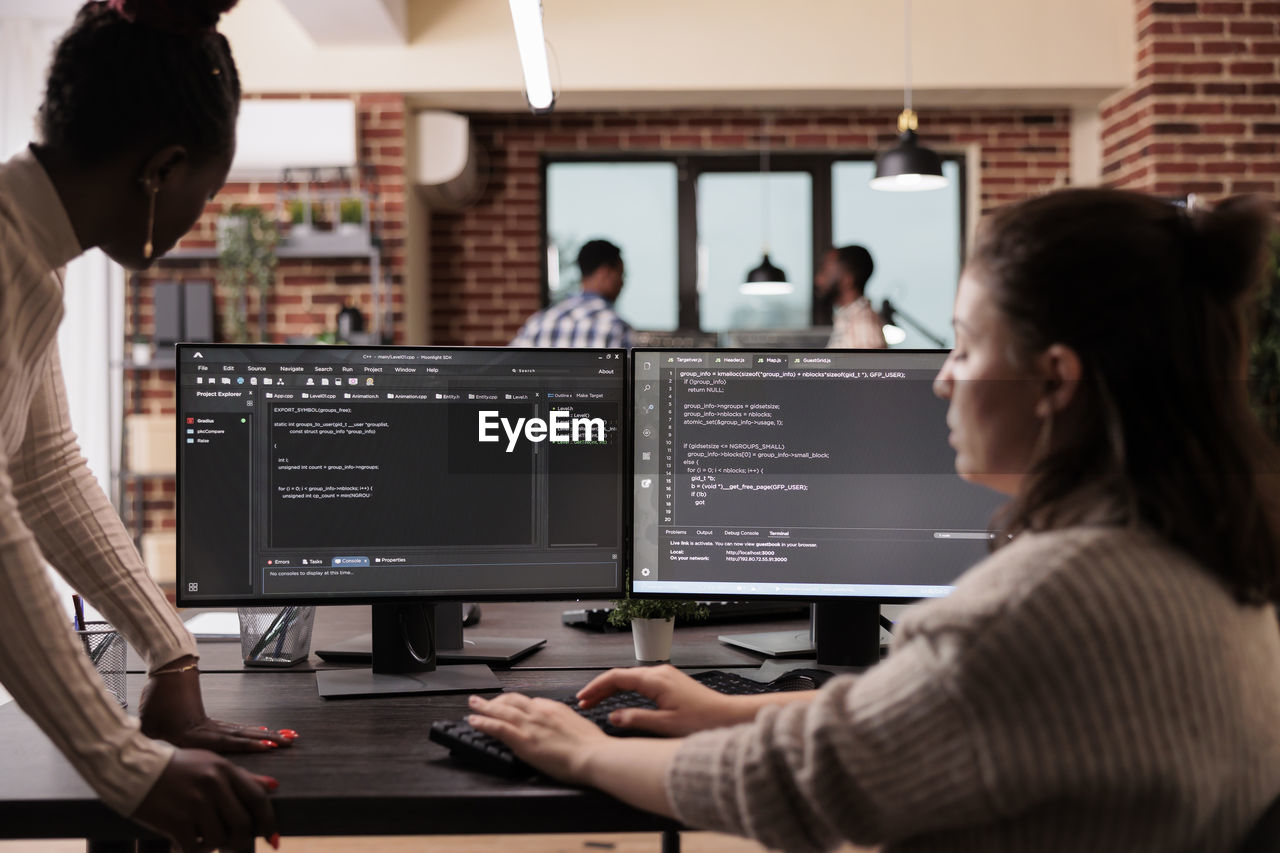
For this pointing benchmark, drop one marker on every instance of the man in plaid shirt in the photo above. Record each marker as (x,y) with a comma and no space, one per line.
(586,319)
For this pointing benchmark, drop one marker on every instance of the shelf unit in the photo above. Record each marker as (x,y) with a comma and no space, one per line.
(131,485)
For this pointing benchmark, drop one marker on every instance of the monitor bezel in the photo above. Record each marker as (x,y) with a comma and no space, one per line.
(181,599)
(811,598)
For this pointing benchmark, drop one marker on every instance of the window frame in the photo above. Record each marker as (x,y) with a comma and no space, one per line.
(690,166)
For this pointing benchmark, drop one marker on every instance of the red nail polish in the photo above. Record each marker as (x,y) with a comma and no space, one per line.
(274,841)
(289,733)
(269,743)
(271,784)
(263,729)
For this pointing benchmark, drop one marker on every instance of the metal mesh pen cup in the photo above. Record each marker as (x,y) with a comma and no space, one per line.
(275,636)
(109,654)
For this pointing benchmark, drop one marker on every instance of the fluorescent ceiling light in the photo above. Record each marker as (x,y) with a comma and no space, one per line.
(526,15)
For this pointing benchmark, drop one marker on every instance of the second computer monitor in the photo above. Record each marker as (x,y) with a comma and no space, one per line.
(820,475)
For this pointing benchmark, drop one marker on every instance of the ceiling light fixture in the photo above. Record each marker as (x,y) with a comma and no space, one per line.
(526,16)
(908,166)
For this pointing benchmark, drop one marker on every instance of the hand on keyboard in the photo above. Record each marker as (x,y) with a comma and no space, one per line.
(513,727)
(544,733)
(680,705)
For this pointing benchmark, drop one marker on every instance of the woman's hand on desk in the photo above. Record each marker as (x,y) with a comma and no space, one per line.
(172,710)
(545,733)
(684,705)
(204,802)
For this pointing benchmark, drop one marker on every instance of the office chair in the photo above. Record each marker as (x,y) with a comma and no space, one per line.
(1265,835)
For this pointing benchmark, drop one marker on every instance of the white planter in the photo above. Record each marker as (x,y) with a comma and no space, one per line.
(653,639)
(140,353)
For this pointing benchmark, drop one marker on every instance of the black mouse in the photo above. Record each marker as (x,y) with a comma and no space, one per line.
(800,679)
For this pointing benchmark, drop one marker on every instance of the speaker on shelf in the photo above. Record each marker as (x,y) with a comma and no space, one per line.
(166,299)
(183,312)
(197,304)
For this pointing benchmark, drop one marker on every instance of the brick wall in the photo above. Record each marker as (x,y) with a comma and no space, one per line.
(307,294)
(1202,116)
(485,266)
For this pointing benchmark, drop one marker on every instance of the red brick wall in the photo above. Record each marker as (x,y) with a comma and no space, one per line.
(485,266)
(1202,116)
(307,293)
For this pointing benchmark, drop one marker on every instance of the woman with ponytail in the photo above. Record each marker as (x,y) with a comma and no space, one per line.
(137,133)
(1109,678)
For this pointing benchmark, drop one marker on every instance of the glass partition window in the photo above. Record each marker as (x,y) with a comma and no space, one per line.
(692,226)
(914,239)
(738,219)
(633,206)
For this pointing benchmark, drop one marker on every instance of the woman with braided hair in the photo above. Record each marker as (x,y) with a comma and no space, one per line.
(137,133)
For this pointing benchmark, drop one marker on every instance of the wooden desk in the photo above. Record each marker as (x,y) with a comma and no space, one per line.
(567,648)
(360,767)
(366,766)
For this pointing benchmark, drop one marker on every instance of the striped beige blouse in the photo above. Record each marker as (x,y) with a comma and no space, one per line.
(52,509)
(1086,689)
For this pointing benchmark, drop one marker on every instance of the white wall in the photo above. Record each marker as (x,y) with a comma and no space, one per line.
(462,53)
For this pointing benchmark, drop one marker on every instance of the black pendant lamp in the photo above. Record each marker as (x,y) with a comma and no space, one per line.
(909,166)
(766,279)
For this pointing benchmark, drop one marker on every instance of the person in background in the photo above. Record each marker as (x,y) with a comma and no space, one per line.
(1108,679)
(586,319)
(137,133)
(842,283)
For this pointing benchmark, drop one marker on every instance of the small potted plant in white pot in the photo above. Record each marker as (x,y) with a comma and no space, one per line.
(140,351)
(653,622)
(350,216)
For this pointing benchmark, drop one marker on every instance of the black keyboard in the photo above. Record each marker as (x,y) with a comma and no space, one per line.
(718,612)
(483,752)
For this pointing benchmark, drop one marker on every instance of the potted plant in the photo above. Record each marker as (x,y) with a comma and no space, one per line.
(298,222)
(321,220)
(351,215)
(652,622)
(140,351)
(1264,357)
(248,240)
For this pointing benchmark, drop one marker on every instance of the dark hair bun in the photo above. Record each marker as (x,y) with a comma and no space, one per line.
(1231,245)
(178,16)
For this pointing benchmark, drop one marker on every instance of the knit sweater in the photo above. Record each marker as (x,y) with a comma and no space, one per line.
(52,508)
(1083,689)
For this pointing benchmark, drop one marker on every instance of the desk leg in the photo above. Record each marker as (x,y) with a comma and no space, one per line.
(671,841)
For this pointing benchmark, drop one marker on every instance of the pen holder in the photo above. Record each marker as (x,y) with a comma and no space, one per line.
(109,654)
(275,636)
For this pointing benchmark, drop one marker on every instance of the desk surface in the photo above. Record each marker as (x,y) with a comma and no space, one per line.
(366,766)
(567,648)
(360,767)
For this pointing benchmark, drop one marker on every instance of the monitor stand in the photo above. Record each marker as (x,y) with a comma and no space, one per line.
(842,633)
(453,647)
(405,651)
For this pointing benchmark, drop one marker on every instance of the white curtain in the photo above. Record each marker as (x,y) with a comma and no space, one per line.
(91,336)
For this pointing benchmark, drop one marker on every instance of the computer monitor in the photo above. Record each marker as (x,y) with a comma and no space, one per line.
(399,477)
(810,337)
(812,474)
(675,340)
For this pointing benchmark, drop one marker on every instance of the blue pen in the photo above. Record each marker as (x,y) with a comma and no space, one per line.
(78,607)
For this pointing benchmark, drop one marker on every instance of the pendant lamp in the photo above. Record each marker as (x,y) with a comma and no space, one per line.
(909,166)
(766,279)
